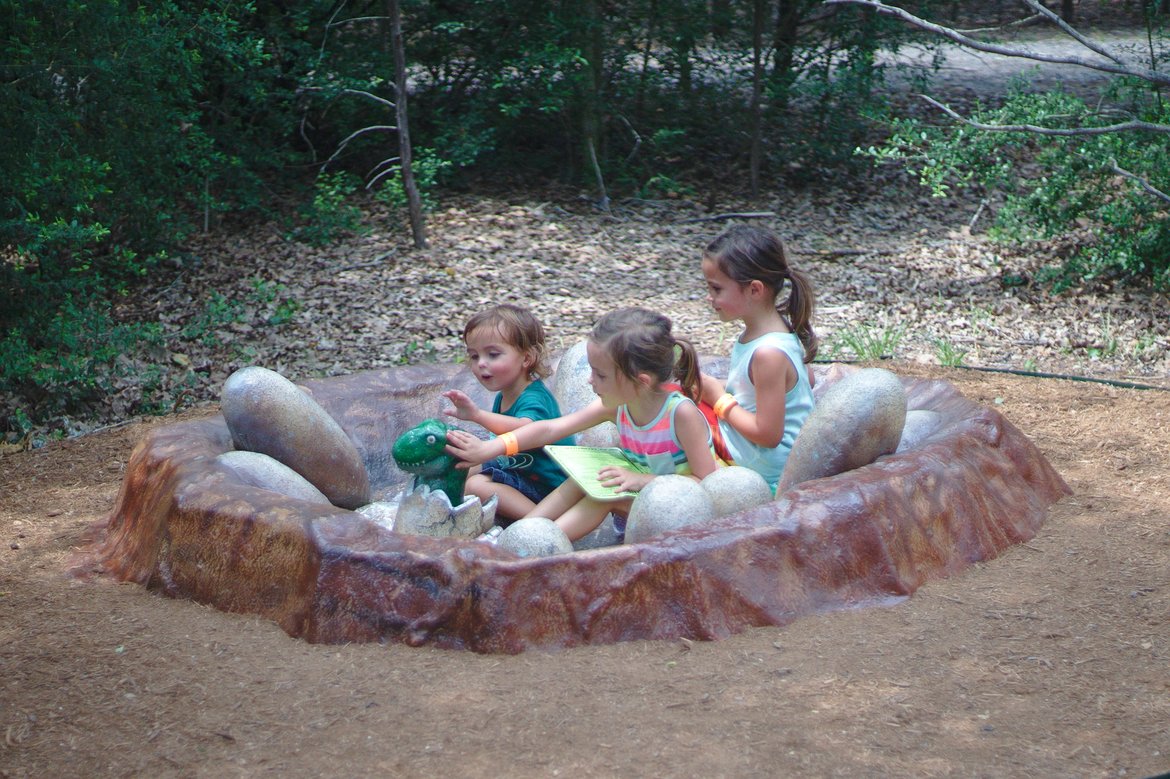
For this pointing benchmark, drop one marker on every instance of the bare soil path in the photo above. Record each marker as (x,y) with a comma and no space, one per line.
(1051,660)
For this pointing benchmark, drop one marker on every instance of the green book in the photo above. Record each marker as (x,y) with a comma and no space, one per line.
(581,464)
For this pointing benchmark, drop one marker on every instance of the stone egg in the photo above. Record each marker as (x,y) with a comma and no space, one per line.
(920,423)
(267,413)
(667,503)
(735,488)
(267,473)
(380,512)
(857,420)
(534,537)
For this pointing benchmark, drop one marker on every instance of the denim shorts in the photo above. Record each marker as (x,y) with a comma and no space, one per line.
(513,480)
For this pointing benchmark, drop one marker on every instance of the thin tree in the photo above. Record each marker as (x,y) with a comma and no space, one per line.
(402,126)
(759,10)
(414,202)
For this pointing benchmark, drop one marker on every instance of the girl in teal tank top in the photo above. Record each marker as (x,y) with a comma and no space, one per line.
(768,392)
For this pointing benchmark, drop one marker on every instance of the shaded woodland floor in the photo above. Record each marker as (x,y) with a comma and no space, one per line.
(1049,660)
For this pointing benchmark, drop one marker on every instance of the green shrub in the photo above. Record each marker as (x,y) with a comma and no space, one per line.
(429,169)
(68,358)
(1060,185)
(331,213)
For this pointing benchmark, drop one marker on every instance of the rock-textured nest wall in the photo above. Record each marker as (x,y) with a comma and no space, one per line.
(187,526)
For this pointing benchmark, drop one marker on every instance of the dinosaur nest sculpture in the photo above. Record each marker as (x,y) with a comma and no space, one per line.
(185,525)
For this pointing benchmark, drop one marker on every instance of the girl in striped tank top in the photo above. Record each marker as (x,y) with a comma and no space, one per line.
(632,356)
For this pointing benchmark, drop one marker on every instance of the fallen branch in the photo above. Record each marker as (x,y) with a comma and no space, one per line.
(978,211)
(730,215)
(1040,130)
(1025,22)
(1141,182)
(1114,66)
(829,254)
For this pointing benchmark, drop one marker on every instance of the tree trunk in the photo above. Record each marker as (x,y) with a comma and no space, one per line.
(1068,11)
(647,50)
(414,202)
(594,49)
(759,10)
(784,48)
(720,19)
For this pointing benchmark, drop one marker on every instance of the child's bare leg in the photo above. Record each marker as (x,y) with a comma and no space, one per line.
(584,517)
(558,501)
(513,504)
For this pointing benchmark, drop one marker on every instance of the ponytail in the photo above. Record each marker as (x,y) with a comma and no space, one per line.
(797,313)
(686,368)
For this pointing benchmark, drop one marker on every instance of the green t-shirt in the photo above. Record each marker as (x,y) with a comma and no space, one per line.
(534,403)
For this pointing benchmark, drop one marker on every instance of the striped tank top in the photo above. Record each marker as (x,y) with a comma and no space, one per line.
(656,443)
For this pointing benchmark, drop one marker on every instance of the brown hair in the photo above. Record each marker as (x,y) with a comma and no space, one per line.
(745,254)
(519,328)
(640,341)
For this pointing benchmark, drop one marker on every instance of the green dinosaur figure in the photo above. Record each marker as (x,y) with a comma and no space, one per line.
(421,451)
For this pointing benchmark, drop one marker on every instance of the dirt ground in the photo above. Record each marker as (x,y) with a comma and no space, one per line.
(1051,660)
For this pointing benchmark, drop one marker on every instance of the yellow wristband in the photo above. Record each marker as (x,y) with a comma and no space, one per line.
(511,445)
(724,404)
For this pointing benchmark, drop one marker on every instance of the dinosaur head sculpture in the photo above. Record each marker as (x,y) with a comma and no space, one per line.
(421,451)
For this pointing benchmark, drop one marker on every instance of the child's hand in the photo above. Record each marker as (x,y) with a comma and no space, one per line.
(711,389)
(469,449)
(464,406)
(622,480)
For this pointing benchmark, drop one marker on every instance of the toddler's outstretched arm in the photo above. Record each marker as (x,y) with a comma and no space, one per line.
(463,407)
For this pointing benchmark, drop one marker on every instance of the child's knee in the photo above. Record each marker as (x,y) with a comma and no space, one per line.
(480,486)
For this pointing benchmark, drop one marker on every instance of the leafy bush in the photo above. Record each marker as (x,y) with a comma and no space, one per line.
(628,77)
(67,358)
(127,125)
(331,212)
(1106,190)
(119,133)
(429,169)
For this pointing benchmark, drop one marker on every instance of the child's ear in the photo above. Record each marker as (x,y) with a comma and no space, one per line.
(756,287)
(646,381)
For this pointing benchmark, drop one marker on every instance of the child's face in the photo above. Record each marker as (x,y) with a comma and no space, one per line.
(727,296)
(611,385)
(498,365)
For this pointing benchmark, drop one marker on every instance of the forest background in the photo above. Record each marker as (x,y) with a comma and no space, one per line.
(135,133)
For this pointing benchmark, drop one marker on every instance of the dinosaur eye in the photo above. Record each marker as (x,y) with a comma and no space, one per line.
(431,439)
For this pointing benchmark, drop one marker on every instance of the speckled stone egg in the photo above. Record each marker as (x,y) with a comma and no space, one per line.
(667,503)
